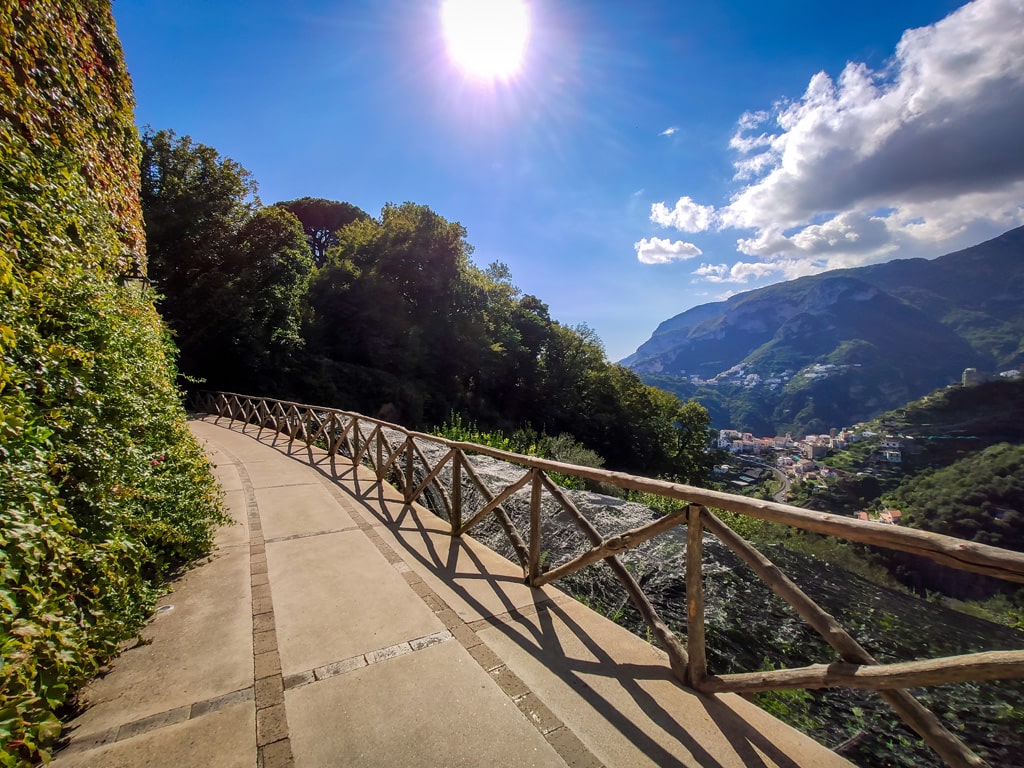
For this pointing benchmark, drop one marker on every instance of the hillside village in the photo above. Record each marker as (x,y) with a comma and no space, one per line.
(790,460)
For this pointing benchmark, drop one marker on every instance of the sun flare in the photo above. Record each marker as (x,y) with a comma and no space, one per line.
(486,38)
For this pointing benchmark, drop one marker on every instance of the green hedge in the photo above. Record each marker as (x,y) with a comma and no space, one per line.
(102,487)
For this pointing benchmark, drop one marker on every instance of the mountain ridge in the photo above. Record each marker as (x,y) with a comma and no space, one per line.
(901,328)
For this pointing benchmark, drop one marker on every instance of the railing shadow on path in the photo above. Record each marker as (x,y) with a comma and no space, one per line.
(532,630)
(398,455)
(542,641)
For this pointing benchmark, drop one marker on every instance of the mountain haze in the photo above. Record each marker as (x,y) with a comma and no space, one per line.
(842,346)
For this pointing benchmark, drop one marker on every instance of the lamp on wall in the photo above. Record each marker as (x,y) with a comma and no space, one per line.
(135,279)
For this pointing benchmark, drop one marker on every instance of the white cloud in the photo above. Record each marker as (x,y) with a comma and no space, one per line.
(658,251)
(715,273)
(669,131)
(750,120)
(741,272)
(686,216)
(920,158)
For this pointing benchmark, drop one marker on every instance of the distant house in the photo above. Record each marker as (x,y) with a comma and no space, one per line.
(813,450)
(972,377)
(890,516)
(862,515)
(726,437)
(805,467)
(893,457)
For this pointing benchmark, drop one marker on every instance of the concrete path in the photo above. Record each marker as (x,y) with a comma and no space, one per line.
(336,626)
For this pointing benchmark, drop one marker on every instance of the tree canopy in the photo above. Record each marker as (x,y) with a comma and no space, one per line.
(316,300)
(232,275)
(321,219)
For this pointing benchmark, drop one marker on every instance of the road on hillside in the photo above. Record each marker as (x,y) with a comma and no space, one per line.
(783,492)
(782,477)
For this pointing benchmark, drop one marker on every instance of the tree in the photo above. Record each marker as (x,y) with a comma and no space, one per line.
(271,277)
(321,219)
(393,298)
(233,275)
(194,203)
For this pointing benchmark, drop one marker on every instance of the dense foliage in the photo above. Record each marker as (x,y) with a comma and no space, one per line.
(393,319)
(321,219)
(980,498)
(961,473)
(232,274)
(103,489)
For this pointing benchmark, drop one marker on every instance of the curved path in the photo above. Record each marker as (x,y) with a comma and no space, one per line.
(337,626)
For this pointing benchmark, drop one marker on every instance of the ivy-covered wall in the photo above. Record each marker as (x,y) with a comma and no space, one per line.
(102,488)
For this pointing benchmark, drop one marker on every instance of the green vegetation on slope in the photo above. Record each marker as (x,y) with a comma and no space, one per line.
(961,474)
(103,489)
(979,498)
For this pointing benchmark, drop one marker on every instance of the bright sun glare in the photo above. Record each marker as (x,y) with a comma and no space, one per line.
(486,38)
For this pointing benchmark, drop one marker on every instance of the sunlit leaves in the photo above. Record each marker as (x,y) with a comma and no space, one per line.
(87,395)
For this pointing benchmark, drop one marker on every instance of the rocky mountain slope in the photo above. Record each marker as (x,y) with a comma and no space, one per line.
(842,346)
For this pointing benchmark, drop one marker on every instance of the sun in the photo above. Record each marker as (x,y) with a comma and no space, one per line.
(486,38)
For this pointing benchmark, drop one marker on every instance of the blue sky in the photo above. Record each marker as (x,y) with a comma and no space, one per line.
(647,157)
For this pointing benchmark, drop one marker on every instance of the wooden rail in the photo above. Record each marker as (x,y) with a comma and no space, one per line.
(395,453)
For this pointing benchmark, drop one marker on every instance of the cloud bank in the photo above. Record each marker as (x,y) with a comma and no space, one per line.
(921,156)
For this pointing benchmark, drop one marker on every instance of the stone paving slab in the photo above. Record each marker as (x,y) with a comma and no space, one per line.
(226,473)
(196,648)
(335,597)
(225,739)
(237,534)
(440,709)
(619,696)
(271,474)
(477,581)
(300,509)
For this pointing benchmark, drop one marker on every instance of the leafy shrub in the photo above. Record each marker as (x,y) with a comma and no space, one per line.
(527,442)
(103,489)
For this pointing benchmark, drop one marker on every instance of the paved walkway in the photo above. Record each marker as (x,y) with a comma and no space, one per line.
(336,626)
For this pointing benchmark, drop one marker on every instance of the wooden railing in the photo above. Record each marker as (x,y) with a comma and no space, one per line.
(394,453)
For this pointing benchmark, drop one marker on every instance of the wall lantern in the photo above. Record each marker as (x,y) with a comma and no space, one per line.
(135,279)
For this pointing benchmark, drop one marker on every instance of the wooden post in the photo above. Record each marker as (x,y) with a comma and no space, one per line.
(456,515)
(410,456)
(666,637)
(697,667)
(535,526)
(910,710)
(379,465)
